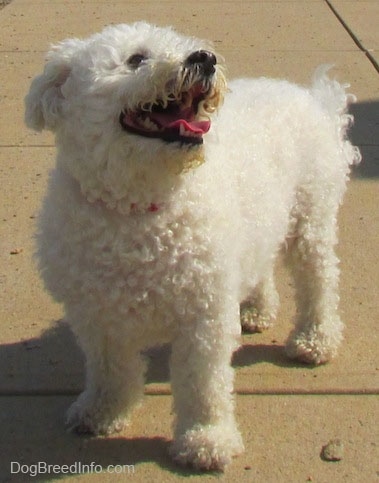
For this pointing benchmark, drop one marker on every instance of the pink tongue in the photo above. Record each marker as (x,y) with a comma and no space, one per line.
(197,127)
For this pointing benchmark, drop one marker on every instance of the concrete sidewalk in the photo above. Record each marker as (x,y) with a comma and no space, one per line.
(286,412)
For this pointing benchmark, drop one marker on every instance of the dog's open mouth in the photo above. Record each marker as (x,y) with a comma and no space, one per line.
(176,120)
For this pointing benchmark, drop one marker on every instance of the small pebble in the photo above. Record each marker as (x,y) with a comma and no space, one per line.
(16,251)
(333,451)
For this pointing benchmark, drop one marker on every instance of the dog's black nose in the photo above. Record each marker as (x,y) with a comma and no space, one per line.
(202,60)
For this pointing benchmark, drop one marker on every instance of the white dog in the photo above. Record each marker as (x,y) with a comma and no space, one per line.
(154,231)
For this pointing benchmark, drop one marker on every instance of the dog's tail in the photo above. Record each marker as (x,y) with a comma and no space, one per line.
(335,101)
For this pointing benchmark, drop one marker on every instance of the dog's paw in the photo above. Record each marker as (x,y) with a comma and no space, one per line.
(253,321)
(209,448)
(85,418)
(312,348)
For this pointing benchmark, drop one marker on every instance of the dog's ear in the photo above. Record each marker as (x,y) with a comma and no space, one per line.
(43,103)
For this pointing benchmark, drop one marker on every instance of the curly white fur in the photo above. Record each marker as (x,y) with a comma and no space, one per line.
(276,164)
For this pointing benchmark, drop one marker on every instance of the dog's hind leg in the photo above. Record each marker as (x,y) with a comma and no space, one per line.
(114,383)
(318,330)
(205,435)
(258,312)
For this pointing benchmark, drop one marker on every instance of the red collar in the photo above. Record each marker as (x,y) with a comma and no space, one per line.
(152,208)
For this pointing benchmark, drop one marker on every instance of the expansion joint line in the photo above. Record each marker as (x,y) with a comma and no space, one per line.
(353,36)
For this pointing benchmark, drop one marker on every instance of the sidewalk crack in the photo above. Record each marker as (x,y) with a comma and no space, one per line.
(355,39)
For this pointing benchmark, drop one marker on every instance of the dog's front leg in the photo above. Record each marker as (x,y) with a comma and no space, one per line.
(206,435)
(114,380)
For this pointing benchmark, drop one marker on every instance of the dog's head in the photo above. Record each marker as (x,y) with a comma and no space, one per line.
(129,107)
(137,79)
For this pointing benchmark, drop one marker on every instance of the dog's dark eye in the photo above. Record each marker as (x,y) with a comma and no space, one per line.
(136,60)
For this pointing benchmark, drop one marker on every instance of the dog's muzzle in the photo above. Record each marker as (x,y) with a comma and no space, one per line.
(182,116)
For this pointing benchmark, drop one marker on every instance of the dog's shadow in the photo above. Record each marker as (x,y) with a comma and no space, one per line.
(74,456)
(248,354)
(54,361)
(364,133)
